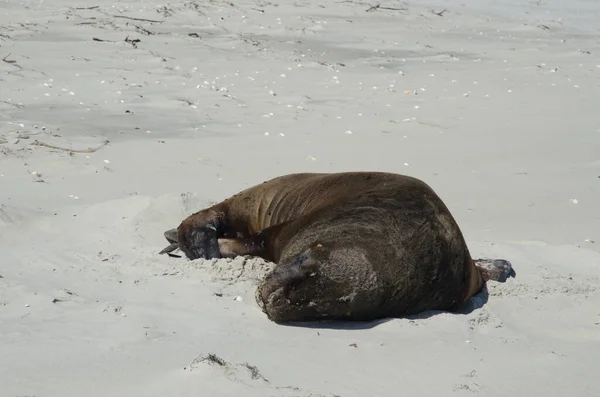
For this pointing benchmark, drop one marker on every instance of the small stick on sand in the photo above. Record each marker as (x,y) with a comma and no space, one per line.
(8,60)
(88,150)
(136,19)
(380,7)
(393,8)
(133,42)
(121,16)
(102,40)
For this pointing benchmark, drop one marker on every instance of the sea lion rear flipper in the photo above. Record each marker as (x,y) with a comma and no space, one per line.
(494,269)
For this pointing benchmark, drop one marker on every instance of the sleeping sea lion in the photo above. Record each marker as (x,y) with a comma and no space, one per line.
(352,246)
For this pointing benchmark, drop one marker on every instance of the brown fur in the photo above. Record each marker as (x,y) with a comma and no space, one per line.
(355,245)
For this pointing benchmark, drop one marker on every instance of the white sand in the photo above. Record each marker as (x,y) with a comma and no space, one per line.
(493,103)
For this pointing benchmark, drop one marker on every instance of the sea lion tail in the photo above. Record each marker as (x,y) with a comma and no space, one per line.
(494,269)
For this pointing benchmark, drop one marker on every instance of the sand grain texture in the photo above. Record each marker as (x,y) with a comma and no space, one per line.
(493,103)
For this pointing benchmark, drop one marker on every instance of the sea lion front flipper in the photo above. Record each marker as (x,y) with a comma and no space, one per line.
(273,294)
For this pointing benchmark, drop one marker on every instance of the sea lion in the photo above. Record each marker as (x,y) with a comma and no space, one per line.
(352,246)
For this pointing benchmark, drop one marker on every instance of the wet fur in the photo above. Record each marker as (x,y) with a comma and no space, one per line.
(355,246)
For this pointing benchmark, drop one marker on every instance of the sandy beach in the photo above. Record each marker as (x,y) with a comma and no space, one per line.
(120,118)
